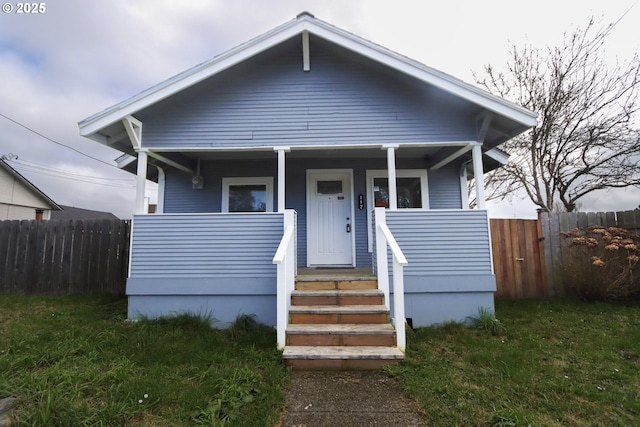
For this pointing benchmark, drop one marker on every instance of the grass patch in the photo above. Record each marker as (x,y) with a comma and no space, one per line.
(549,363)
(75,361)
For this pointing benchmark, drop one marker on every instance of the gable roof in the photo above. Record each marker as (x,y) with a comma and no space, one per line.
(305,22)
(32,188)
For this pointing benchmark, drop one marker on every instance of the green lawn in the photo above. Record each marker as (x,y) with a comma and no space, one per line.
(75,361)
(556,363)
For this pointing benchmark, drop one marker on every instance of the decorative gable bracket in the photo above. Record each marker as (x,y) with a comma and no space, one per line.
(306,56)
(133,127)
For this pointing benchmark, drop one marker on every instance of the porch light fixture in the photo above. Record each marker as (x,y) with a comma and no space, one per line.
(197,182)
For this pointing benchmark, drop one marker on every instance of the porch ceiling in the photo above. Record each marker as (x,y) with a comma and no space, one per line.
(427,154)
(350,153)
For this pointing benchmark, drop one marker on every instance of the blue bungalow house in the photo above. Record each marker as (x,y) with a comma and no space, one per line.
(311,155)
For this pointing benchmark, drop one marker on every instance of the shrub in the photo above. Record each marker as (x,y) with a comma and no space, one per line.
(602,263)
(486,320)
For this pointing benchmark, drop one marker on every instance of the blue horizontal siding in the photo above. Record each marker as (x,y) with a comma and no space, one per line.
(223,309)
(270,101)
(443,242)
(444,188)
(206,245)
(180,197)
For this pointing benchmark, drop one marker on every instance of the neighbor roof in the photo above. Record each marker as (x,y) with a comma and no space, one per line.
(35,190)
(91,126)
(71,212)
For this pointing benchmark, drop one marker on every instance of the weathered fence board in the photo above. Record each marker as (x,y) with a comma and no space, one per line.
(629,220)
(552,224)
(63,257)
(527,254)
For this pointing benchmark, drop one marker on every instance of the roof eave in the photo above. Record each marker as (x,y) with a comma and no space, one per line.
(17,175)
(93,124)
(90,126)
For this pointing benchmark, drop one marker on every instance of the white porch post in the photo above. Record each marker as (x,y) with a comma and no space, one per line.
(391,166)
(141,179)
(161,185)
(478,174)
(464,189)
(382,262)
(281,176)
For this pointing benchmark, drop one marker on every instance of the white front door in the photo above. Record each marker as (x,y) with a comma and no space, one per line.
(330,218)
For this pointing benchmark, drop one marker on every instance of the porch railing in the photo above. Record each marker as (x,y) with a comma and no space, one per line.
(285,258)
(384,239)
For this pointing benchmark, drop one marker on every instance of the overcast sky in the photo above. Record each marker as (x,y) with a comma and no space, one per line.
(80,57)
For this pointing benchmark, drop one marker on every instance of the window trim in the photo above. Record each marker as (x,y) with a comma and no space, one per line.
(400,173)
(258,180)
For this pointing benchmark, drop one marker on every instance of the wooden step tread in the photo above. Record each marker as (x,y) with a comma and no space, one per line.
(312,329)
(337,292)
(342,353)
(335,277)
(335,284)
(324,309)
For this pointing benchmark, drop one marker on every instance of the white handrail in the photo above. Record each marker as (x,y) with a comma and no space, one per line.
(279,257)
(385,238)
(393,245)
(285,258)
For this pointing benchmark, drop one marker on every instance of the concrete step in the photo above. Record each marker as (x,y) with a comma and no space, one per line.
(334,314)
(338,297)
(340,357)
(382,335)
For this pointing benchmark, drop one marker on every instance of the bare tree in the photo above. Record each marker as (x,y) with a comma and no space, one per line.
(587,138)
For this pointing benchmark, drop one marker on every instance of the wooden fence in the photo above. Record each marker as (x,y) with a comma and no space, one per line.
(92,256)
(518,258)
(64,257)
(527,254)
(555,248)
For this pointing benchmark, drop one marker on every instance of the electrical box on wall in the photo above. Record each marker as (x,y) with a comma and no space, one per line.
(197,182)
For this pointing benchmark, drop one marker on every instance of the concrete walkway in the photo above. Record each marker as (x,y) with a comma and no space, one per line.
(348,399)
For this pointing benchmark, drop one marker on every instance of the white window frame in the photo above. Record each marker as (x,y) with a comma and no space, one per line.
(258,180)
(400,173)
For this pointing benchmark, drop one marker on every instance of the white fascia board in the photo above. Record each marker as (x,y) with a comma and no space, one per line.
(189,78)
(424,73)
(457,87)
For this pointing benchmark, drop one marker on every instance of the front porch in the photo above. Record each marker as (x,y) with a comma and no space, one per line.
(228,264)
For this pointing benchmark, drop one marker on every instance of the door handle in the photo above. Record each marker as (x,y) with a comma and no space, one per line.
(348,228)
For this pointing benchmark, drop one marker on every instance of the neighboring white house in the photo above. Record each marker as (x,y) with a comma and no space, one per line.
(20,199)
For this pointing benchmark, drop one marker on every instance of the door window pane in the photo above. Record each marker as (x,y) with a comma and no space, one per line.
(329,187)
(248,198)
(409,192)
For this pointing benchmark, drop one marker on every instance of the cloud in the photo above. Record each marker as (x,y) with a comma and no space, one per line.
(81,57)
